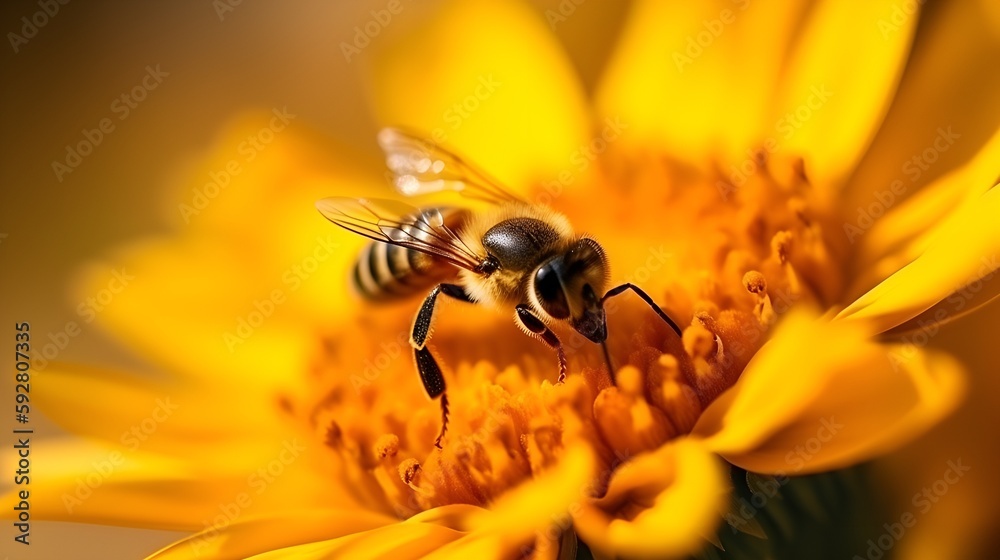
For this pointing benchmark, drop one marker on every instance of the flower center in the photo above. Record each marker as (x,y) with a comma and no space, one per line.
(724,256)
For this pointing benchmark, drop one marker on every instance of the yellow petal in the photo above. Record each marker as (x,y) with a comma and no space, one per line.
(250,276)
(196,298)
(489,546)
(250,535)
(694,77)
(839,83)
(464,531)
(950,82)
(521,518)
(532,506)
(958,524)
(89,483)
(822,395)
(486,79)
(420,536)
(678,491)
(156,417)
(886,243)
(189,489)
(962,253)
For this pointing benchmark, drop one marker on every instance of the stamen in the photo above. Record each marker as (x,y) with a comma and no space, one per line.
(387,445)
(409,470)
(627,422)
(754,282)
(334,437)
(781,246)
(681,404)
(699,343)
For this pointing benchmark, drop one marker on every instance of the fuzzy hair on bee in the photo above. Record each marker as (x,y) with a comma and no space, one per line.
(549,233)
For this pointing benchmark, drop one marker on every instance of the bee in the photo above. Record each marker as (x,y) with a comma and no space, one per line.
(515,255)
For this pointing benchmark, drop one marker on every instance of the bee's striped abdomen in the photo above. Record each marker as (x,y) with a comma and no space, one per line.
(384,271)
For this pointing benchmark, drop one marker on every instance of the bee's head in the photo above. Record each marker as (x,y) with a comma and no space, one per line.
(569,286)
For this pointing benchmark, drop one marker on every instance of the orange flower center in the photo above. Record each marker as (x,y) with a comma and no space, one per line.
(723,259)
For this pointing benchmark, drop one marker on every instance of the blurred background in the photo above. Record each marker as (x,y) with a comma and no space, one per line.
(62,75)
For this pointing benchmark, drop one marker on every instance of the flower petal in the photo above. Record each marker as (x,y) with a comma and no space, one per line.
(77,397)
(245,284)
(693,77)
(904,232)
(821,395)
(836,89)
(672,497)
(188,298)
(486,79)
(80,482)
(465,531)
(244,537)
(128,485)
(962,252)
(956,526)
(420,536)
(950,83)
(531,507)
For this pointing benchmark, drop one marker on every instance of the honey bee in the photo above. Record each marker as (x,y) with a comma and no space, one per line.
(515,255)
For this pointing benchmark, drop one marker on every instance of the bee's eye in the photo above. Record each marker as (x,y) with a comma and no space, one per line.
(550,292)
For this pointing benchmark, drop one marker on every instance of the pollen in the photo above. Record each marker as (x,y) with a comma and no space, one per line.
(724,260)
(387,446)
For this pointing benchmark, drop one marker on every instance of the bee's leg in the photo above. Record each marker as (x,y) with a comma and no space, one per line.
(535,325)
(427,366)
(645,297)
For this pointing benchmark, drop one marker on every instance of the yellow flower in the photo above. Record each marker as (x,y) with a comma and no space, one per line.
(722,165)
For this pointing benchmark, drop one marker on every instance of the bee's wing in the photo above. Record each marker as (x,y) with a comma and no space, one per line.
(420,167)
(400,224)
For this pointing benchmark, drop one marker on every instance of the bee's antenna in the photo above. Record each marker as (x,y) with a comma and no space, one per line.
(645,297)
(607,360)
